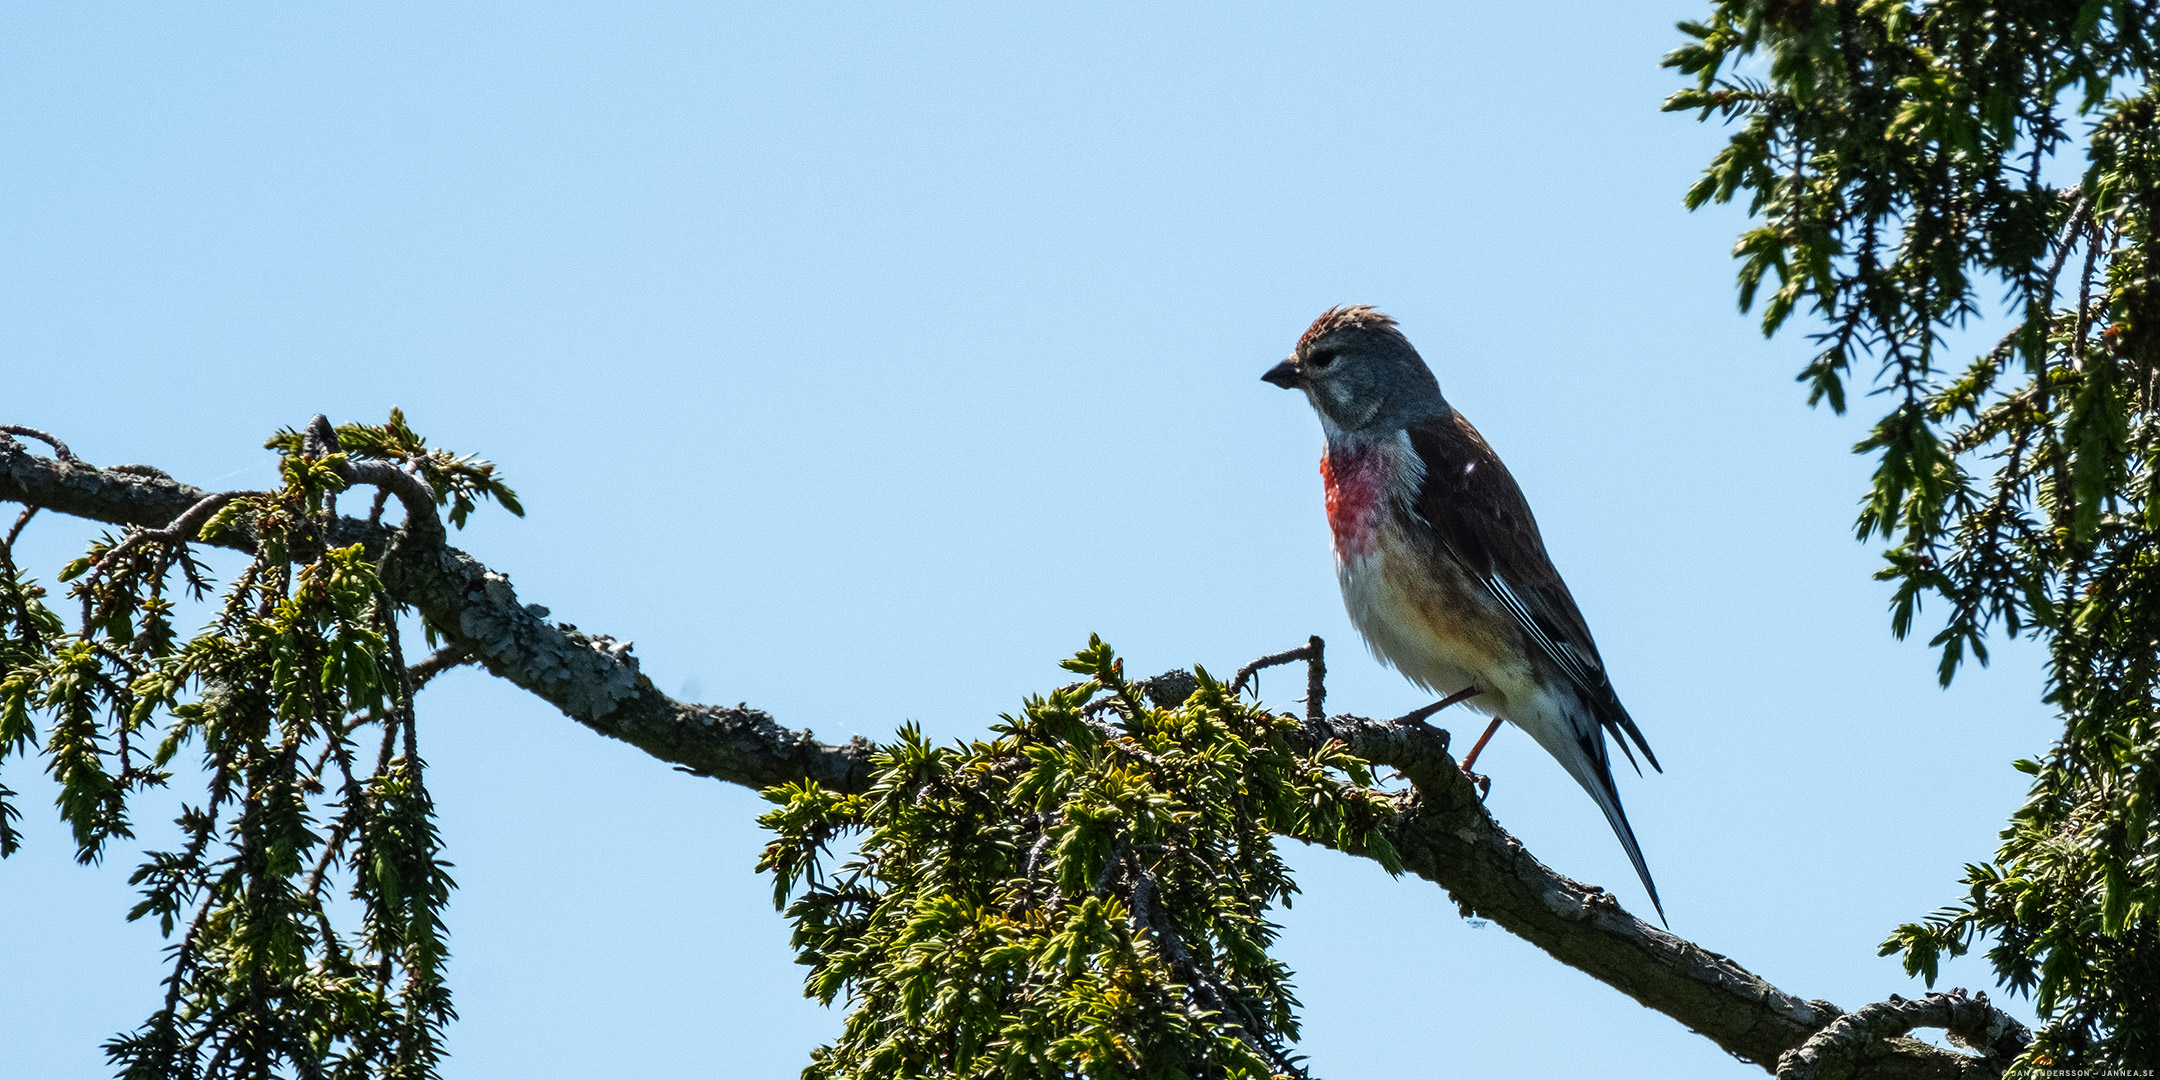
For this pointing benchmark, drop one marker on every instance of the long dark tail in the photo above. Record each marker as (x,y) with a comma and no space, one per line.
(1593,770)
(1622,726)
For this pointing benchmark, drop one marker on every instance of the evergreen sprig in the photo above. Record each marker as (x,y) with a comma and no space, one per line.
(298,701)
(459,482)
(1084,895)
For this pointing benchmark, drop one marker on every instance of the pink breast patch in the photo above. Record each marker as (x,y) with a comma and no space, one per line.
(1357,487)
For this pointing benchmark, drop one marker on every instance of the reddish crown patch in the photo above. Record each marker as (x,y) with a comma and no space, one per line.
(1341,318)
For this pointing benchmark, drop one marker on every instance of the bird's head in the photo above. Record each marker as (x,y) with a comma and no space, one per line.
(1360,374)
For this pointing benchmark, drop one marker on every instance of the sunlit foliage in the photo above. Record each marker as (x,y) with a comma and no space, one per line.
(1085,895)
(293,711)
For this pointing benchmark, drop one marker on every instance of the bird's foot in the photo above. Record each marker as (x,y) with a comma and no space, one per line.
(1480,781)
(1483,783)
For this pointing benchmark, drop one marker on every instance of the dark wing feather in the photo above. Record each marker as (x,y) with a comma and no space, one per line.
(1480,517)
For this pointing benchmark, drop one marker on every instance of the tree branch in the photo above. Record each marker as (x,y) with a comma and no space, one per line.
(437,662)
(591,679)
(59,448)
(1446,836)
(181,531)
(1833,1052)
(1443,831)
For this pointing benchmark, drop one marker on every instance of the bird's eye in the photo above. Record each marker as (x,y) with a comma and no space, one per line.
(1320,360)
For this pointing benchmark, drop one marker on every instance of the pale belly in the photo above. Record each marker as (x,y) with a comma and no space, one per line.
(1437,630)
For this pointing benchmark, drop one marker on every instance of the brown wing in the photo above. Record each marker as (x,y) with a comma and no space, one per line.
(1482,520)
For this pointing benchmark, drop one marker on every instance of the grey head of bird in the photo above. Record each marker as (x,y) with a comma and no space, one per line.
(1361,375)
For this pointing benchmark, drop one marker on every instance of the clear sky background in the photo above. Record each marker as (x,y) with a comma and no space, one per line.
(858,361)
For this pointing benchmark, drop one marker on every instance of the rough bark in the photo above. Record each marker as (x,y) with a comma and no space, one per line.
(1839,1049)
(1444,833)
(1446,836)
(592,678)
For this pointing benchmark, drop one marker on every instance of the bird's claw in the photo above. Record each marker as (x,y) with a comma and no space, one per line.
(1480,781)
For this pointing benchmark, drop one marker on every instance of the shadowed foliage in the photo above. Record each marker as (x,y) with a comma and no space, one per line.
(1908,164)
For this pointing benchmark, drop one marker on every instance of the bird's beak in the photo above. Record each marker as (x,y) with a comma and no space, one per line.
(1284,375)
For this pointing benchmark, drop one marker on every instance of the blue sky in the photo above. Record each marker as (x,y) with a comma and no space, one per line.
(859,361)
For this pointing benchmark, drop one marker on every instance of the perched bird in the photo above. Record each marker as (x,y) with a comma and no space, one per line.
(1440,562)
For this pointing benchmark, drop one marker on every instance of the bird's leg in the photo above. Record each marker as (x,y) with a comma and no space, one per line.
(1470,758)
(1484,783)
(1417,716)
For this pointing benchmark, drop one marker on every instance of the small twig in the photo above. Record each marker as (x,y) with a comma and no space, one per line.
(2079,212)
(389,746)
(225,1049)
(181,531)
(198,582)
(319,439)
(1970,1020)
(1307,651)
(437,662)
(1035,854)
(1143,888)
(441,660)
(1121,740)
(1110,869)
(59,448)
(2085,283)
(1027,874)
(1099,705)
(341,752)
(1314,653)
(22,520)
(1316,680)
(1124,689)
(184,954)
(333,848)
(322,761)
(134,670)
(405,688)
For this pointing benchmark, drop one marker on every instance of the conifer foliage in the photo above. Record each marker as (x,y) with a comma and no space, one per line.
(1902,160)
(1084,895)
(296,706)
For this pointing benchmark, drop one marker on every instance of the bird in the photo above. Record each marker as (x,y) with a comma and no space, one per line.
(1442,567)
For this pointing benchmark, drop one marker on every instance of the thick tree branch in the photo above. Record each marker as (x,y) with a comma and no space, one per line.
(1444,833)
(1446,836)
